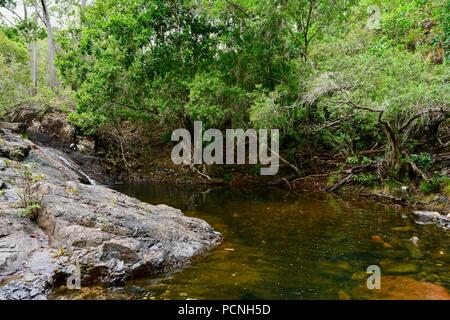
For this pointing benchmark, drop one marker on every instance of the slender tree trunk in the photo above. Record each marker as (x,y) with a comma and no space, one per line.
(33,63)
(82,10)
(34,54)
(53,81)
(25,11)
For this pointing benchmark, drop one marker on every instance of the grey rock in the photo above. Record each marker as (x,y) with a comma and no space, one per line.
(414,240)
(27,264)
(431,217)
(13,126)
(25,113)
(14,150)
(110,236)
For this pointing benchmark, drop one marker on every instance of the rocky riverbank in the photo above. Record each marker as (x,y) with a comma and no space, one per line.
(54,227)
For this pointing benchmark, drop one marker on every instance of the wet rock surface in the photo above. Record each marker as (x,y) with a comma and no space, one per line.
(14,150)
(109,237)
(431,217)
(403,288)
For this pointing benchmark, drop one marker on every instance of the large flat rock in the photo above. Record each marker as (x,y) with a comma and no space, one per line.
(109,237)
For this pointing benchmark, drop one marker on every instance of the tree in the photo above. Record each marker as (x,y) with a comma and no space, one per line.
(135,57)
(307,19)
(15,79)
(30,33)
(53,80)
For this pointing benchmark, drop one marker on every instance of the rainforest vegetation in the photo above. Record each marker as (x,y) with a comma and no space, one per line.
(359,84)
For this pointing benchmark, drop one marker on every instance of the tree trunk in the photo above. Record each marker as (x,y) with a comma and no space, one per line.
(34,55)
(82,10)
(53,81)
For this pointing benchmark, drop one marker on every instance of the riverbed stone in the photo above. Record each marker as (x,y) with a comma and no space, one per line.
(415,251)
(402,268)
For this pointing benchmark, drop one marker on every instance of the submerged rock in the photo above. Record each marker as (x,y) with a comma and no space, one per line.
(403,288)
(402,268)
(414,249)
(378,239)
(108,236)
(414,240)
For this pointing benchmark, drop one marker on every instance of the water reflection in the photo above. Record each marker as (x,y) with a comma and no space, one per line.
(278,246)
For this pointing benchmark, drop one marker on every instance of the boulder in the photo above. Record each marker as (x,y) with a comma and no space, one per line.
(86,146)
(25,113)
(14,150)
(111,237)
(431,217)
(13,126)
(52,130)
(115,238)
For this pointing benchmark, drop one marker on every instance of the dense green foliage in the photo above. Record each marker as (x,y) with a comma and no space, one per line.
(314,69)
(14,80)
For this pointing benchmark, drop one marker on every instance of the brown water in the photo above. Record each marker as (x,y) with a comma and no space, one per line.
(287,246)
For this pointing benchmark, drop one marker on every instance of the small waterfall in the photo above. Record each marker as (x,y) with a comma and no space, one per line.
(79,171)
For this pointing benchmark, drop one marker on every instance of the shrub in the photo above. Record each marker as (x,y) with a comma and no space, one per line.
(333,179)
(30,199)
(227,176)
(366,179)
(87,123)
(423,160)
(431,186)
(255,170)
(352,160)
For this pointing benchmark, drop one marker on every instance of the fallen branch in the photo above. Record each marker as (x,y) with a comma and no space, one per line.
(417,171)
(445,145)
(340,183)
(287,182)
(200,173)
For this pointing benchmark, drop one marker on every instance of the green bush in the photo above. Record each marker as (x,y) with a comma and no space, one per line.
(431,186)
(423,160)
(86,123)
(366,179)
(352,160)
(30,198)
(15,79)
(227,176)
(255,170)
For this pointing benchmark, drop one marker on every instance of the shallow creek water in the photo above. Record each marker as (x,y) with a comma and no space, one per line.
(289,246)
